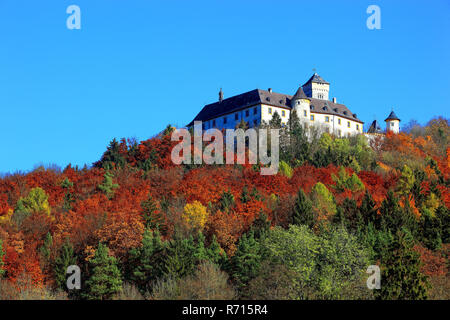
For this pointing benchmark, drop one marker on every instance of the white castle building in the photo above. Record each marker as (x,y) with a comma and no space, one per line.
(311,102)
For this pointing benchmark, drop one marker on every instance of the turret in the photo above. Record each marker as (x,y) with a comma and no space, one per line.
(301,104)
(392,123)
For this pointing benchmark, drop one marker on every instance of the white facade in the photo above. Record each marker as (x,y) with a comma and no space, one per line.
(393,126)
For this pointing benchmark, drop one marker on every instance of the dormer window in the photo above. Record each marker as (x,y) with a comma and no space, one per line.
(345,112)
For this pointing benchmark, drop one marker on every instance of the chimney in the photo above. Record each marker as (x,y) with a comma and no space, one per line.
(220,95)
(334,100)
(270,90)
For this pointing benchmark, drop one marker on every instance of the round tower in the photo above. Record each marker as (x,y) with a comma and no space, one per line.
(301,104)
(392,123)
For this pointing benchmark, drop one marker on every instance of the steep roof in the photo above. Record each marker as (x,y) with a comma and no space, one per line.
(258,96)
(300,94)
(374,127)
(316,79)
(392,116)
(241,101)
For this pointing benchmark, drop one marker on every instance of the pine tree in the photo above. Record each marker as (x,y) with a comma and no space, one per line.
(303,211)
(227,200)
(275,122)
(68,197)
(2,263)
(108,186)
(46,248)
(153,220)
(145,264)
(392,216)
(368,210)
(105,279)
(401,278)
(179,259)
(260,226)
(245,196)
(112,157)
(246,262)
(65,258)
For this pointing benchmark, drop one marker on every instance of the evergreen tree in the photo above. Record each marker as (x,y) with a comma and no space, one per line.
(260,226)
(179,259)
(275,122)
(431,230)
(246,262)
(368,210)
(108,186)
(2,264)
(303,211)
(46,248)
(401,278)
(112,157)
(68,197)
(392,216)
(145,262)
(245,196)
(216,254)
(227,200)
(105,279)
(65,258)
(153,220)
(443,214)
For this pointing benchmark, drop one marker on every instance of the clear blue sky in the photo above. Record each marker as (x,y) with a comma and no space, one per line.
(137,65)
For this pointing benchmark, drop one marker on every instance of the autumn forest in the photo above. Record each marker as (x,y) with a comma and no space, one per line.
(140,227)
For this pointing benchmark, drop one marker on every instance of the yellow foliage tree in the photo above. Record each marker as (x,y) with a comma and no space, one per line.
(6,217)
(195,214)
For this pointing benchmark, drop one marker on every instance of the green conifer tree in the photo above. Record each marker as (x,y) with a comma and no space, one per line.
(303,211)
(105,278)
(401,278)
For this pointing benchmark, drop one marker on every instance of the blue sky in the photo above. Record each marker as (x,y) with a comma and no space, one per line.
(137,65)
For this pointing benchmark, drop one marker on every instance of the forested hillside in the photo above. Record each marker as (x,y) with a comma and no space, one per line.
(140,227)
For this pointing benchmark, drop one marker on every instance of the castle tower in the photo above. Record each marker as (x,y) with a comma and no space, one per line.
(392,123)
(301,104)
(316,87)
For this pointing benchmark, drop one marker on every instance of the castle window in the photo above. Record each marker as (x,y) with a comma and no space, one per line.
(270,110)
(255,123)
(327,119)
(312,117)
(236,116)
(204,125)
(392,124)
(339,121)
(214,123)
(357,127)
(305,113)
(255,110)
(224,120)
(283,113)
(348,124)
(247,113)
(339,133)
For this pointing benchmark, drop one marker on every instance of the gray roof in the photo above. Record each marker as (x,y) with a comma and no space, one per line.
(300,94)
(374,127)
(258,96)
(316,79)
(392,116)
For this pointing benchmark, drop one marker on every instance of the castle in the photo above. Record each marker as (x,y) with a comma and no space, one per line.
(311,102)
